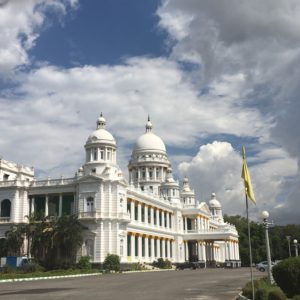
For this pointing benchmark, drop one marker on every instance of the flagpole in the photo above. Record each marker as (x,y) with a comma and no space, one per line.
(250,248)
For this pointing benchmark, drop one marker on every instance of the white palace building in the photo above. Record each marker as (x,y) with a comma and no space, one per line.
(148,217)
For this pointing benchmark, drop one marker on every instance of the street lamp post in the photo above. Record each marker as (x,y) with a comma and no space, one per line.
(289,244)
(296,247)
(265,216)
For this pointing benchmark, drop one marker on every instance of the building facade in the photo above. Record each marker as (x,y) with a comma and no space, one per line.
(142,219)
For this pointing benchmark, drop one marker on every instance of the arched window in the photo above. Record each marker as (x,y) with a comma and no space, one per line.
(5,208)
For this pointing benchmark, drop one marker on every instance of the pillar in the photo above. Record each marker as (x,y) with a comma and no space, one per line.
(46,205)
(198,224)
(152,248)
(60,205)
(168,249)
(163,219)
(185,224)
(132,246)
(163,255)
(157,217)
(146,248)
(186,250)
(158,247)
(152,216)
(139,246)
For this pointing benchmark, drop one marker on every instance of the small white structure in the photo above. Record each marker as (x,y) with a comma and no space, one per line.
(149,217)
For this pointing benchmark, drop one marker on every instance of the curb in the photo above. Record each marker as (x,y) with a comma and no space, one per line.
(77,275)
(48,277)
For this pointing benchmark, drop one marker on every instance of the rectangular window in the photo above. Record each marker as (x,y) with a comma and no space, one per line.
(129,245)
(170,220)
(160,218)
(171,249)
(143,213)
(95,154)
(102,153)
(155,248)
(135,212)
(149,247)
(166,216)
(143,246)
(5,177)
(149,215)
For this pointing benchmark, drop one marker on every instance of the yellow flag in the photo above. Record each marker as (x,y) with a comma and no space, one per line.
(247,180)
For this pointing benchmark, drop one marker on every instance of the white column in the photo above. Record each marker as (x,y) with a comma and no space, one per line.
(147,173)
(198,224)
(168,249)
(152,216)
(238,251)
(199,250)
(109,237)
(132,247)
(32,205)
(60,205)
(158,247)
(186,251)
(139,212)
(185,224)
(157,217)
(226,251)
(146,248)
(140,246)
(154,173)
(163,242)
(146,214)
(132,210)
(163,219)
(46,205)
(152,248)
(168,220)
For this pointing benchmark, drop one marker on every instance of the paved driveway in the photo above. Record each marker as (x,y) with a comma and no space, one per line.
(203,284)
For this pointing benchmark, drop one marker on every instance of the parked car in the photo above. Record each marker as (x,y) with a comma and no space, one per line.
(263,266)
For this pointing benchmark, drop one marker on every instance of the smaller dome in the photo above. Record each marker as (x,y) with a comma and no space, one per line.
(214,203)
(101,135)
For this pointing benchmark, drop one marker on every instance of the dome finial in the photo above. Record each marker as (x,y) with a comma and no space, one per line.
(148,125)
(101,122)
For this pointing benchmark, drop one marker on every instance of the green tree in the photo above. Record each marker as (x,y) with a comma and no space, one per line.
(14,240)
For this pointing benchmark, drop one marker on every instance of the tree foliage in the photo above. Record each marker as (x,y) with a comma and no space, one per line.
(287,275)
(53,242)
(112,263)
(277,236)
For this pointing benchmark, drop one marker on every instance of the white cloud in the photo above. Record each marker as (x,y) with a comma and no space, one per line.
(20,22)
(217,168)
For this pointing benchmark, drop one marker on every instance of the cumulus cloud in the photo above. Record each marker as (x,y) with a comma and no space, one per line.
(256,44)
(217,168)
(20,22)
(61,104)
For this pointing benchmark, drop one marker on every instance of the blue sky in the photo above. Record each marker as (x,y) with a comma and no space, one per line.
(212,76)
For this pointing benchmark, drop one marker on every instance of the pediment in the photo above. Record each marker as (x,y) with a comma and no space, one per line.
(204,207)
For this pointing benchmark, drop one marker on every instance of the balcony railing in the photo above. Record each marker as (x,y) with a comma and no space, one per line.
(98,214)
(4,219)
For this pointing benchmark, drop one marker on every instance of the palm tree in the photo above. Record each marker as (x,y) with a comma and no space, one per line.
(15,240)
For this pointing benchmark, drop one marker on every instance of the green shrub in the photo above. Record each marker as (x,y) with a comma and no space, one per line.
(287,275)
(112,263)
(8,269)
(31,267)
(263,291)
(162,264)
(297,297)
(137,267)
(84,263)
(276,294)
(262,294)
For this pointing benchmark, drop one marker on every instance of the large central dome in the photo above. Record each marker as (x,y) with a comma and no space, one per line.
(149,141)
